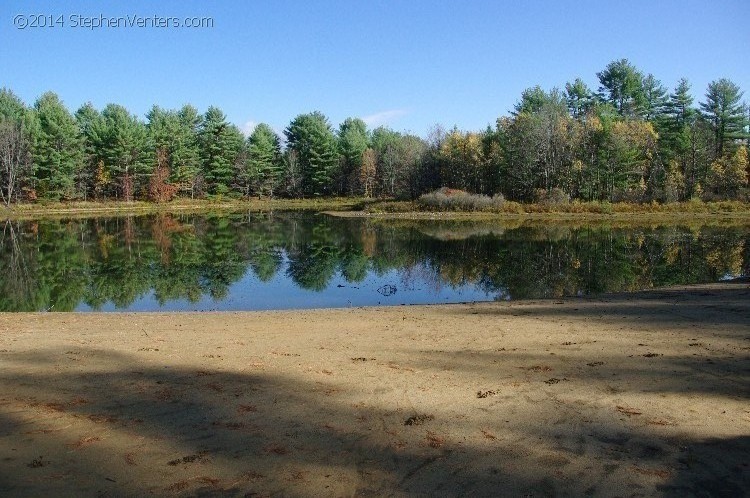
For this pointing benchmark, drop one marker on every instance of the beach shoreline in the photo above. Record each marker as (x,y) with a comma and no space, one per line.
(643,393)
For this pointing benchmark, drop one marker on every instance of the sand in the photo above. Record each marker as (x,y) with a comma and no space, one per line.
(626,395)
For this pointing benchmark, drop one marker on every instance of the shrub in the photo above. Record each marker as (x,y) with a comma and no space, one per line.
(555,197)
(446,199)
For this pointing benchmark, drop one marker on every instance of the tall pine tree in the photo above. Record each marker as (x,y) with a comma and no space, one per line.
(220,145)
(353,141)
(263,168)
(120,143)
(311,137)
(622,86)
(58,151)
(726,113)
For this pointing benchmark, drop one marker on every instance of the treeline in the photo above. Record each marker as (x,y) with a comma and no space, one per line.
(630,140)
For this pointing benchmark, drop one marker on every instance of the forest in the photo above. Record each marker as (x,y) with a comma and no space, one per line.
(629,140)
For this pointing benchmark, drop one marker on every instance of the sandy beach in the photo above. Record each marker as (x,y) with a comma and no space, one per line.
(625,395)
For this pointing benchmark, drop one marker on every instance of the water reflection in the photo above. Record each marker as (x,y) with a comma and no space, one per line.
(293,260)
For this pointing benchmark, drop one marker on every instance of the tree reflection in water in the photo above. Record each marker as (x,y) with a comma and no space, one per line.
(177,261)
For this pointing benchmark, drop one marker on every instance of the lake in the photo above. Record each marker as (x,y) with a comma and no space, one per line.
(287,260)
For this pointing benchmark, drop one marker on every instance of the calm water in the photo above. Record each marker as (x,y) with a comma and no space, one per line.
(294,260)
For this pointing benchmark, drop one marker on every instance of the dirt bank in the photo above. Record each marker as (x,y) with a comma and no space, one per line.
(626,395)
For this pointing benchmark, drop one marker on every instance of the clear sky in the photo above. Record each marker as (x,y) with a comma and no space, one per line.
(408,64)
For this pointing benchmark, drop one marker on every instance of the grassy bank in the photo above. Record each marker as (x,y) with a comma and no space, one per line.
(118,208)
(573,211)
(360,207)
(570,208)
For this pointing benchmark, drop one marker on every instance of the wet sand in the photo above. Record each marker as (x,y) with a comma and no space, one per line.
(626,395)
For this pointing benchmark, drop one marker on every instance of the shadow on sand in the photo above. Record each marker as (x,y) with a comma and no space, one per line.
(120,425)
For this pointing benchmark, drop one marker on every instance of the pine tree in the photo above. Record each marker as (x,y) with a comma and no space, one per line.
(311,137)
(86,184)
(186,157)
(175,134)
(654,99)
(622,86)
(263,168)
(221,144)
(353,141)
(680,106)
(58,151)
(726,113)
(579,98)
(120,143)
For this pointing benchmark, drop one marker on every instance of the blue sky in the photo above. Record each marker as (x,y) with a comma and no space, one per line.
(406,64)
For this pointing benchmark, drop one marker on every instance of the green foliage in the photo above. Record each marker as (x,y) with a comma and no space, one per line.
(622,86)
(726,113)
(121,151)
(263,169)
(353,140)
(86,184)
(176,133)
(311,137)
(535,145)
(11,106)
(630,142)
(61,265)
(220,145)
(17,133)
(579,98)
(654,98)
(58,151)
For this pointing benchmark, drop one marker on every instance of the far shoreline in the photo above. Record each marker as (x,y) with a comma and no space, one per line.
(380,209)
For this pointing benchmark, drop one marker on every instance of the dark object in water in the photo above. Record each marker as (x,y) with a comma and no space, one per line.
(387,290)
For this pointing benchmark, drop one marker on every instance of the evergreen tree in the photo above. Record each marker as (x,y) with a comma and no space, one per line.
(186,156)
(174,133)
(58,152)
(311,137)
(579,98)
(120,144)
(675,134)
(654,99)
(680,106)
(622,86)
(386,143)
(726,113)
(86,181)
(11,106)
(353,140)
(221,144)
(263,169)
(532,100)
